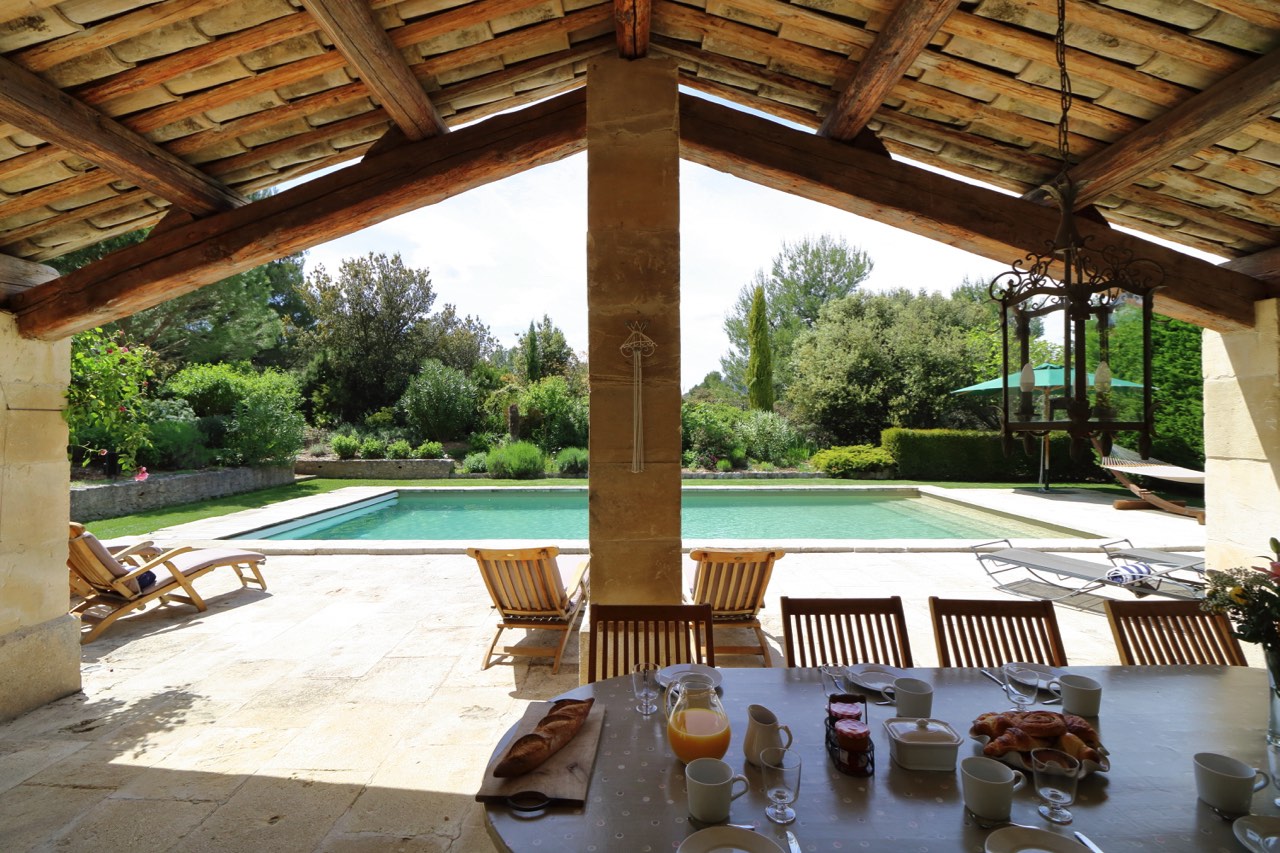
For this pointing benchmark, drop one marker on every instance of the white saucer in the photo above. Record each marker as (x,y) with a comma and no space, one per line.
(727,839)
(669,674)
(872,676)
(1258,833)
(1017,839)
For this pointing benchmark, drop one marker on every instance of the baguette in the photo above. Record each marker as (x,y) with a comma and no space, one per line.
(552,733)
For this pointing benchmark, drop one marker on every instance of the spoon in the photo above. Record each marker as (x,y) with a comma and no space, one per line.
(987,823)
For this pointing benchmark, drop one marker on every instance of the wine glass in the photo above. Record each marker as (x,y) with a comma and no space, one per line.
(781,771)
(1056,774)
(644,684)
(1021,685)
(832,679)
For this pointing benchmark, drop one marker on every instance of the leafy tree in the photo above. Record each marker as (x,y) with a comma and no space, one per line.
(804,276)
(554,356)
(439,404)
(553,415)
(532,364)
(249,418)
(461,342)
(888,359)
(105,410)
(714,389)
(372,331)
(760,362)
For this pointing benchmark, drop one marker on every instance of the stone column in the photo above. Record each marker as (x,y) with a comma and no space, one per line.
(39,642)
(633,274)
(1242,439)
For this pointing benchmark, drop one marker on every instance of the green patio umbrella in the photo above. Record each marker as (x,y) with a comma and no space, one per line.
(1049,378)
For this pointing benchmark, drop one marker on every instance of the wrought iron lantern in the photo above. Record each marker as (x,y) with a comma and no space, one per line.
(1084,284)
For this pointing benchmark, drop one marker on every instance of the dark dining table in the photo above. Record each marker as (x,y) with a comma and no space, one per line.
(1153,720)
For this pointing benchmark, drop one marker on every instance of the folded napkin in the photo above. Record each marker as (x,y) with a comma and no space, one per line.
(1130,574)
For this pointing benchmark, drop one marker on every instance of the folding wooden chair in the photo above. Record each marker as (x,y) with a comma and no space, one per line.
(1164,633)
(733,581)
(818,631)
(993,633)
(623,635)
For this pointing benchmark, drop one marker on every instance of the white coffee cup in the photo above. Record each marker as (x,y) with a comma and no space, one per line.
(913,697)
(1080,694)
(710,783)
(1226,783)
(988,787)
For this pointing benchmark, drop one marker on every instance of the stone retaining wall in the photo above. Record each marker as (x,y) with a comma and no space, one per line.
(376,469)
(90,502)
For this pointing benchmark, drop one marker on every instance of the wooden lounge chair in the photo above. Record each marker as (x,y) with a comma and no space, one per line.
(1073,576)
(733,581)
(1166,633)
(529,592)
(109,585)
(623,635)
(993,633)
(818,631)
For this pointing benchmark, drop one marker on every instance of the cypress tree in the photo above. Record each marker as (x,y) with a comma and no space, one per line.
(532,360)
(760,360)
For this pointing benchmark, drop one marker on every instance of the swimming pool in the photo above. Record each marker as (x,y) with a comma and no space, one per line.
(706,513)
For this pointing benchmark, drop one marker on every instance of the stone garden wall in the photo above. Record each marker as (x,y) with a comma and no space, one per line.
(90,502)
(376,469)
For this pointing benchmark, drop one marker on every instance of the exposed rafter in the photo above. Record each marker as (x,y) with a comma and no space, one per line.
(631,20)
(1263,265)
(29,102)
(17,275)
(186,257)
(904,35)
(968,217)
(367,47)
(1237,100)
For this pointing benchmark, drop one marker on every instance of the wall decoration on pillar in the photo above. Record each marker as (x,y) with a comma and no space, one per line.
(637,347)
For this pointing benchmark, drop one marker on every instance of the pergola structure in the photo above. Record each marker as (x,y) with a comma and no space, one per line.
(120,114)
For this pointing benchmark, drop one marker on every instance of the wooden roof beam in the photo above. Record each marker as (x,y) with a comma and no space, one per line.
(381,186)
(27,101)
(1239,99)
(1264,265)
(968,217)
(369,50)
(17,274)
(906,33)
(631,22)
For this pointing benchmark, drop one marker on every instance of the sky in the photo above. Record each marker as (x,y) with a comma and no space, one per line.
(511,251)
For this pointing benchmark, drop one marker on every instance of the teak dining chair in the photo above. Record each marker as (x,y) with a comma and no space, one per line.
(1161,633)
(733,581)
(623,635)
(529,592)
(818,631)
(992,633)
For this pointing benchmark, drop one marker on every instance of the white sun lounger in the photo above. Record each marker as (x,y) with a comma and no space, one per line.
(1008,565)
(1122,550)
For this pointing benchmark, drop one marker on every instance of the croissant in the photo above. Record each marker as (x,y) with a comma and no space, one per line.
(991,725)
(1013,740)
(1078,749)
(1081,728)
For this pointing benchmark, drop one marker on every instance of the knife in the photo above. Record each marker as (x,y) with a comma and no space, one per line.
(1084,839)
(795,845)
(989,674)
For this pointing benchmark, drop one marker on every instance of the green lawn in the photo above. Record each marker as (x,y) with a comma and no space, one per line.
(146,522)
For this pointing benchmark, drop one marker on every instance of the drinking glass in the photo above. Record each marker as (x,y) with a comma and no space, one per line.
(832,679)
(781,772)
(1021,685)
(1056,774)
(644,684)
(1273,765)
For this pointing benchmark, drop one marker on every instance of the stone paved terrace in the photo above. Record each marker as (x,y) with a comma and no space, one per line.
(344,709)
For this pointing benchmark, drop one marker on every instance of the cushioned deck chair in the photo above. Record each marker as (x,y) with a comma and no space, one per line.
(1122,550)
(733,581)
(529,592)
(622,635)
(111,585)
(1074,576)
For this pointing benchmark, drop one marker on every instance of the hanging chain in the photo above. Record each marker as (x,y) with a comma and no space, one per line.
(1064,86)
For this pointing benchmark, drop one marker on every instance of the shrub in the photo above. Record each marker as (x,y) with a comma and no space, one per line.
(210,389)
(483,442)
(345,446)
(520,460)
(572,461)
(104,412)
(380,419)
(475,463)
(553,416)
(373,448)
(767,436)
(848,461)
(724,465)
(439,404)
(267,424)
(429,450)
(709,430)
(399,449)
(174,439)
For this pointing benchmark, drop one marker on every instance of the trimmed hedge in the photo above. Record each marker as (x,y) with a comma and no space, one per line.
(849,461)
(978,456)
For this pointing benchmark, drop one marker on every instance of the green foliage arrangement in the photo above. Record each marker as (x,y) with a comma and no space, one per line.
(373,448)
(104,411)
(429,450)
(849,461)
(345,446)
(476,463)
(399,449)
(440,403)
(520,460)
(709,431)
(572,461)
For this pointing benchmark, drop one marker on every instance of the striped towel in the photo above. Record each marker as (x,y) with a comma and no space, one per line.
(1130,574)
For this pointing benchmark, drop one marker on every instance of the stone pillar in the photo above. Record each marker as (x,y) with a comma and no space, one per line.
(39,642)
(633,274)
(1242,439)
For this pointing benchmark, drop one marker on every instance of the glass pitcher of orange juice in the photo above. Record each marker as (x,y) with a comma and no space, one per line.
(697,725)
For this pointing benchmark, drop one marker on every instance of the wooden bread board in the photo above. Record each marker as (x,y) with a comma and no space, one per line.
(563,777)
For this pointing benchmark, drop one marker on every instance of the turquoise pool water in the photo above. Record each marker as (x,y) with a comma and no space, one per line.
(470,514)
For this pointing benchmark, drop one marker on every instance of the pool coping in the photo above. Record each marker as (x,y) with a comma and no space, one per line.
(1080,511)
